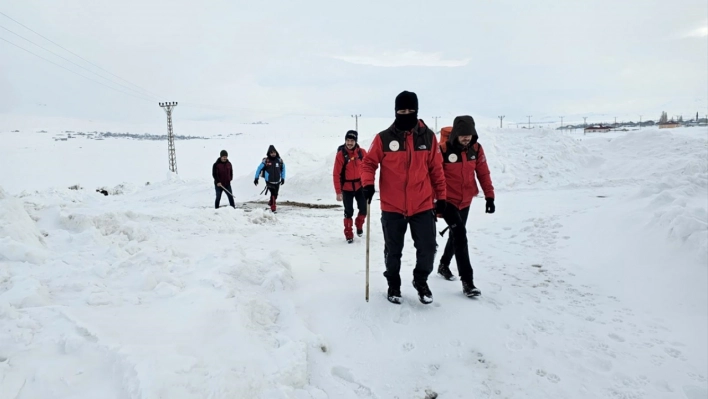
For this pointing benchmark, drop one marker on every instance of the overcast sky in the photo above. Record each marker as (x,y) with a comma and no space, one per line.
(246,60)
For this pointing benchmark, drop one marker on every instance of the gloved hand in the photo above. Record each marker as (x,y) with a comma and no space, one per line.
(440,206)
(369,192)
(489,208)
(255,182)
(282,182)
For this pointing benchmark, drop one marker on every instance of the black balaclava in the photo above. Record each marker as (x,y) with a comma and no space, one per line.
(462,126)
(406,100)
(272,148)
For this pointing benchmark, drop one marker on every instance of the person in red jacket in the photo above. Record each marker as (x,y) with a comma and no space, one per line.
(347,183)
(463,158)
(411,178)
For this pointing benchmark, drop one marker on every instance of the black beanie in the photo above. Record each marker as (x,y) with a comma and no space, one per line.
(352,134)
(407,100)
(224,153)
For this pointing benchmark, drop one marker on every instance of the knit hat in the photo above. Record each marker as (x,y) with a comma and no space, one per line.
(224,153)
(352,134)
(406,100)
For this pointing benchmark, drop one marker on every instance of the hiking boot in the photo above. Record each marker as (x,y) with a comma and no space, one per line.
(469,289)
(424,294)
(394,295)
(444,270)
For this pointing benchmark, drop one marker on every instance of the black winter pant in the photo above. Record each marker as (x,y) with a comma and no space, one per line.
(348,198)
(457,244)
(219,191)
(273,188)
(423,233)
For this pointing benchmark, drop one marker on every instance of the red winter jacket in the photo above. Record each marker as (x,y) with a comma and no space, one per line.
(411,169)
(352,173)
(460,167)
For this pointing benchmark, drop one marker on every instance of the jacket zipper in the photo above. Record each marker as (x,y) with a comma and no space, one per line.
(408,165)
(464,163)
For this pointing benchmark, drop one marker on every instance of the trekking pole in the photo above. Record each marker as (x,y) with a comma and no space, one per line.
(368,229)
(442,233)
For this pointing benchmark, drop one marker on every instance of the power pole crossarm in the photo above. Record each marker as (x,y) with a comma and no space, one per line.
(501,118)
(170,135)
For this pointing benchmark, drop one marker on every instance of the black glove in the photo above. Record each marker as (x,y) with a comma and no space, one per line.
(440,206)
(490,206)
(369,192)
(452,217)
(255,182)
(282,182)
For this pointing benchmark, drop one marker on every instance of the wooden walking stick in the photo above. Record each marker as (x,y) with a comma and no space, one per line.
(368,229)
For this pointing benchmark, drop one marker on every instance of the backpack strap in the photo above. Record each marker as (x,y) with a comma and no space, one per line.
(343,173)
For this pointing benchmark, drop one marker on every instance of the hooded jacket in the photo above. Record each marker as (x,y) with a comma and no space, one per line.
(464,165)
(273,168)
(411,176)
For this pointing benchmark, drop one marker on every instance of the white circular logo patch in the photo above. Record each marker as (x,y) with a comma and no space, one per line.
(452,158)
(394,146)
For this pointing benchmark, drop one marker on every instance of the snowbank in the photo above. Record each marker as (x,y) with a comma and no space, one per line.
(20,239)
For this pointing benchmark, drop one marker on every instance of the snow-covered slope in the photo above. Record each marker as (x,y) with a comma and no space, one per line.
(593,274)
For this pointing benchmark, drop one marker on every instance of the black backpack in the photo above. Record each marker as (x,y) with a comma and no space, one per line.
(342,178)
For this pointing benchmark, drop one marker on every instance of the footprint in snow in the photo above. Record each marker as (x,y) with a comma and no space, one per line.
(675,353)
(346,374)
(616,337)
(403,317)
(408,346)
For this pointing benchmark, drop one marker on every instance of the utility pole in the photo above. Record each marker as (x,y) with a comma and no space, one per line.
(615,121)
(501,119)
(640,121)
(561,123)
(529,116)
(436,123)
(356,119)
(170,135)
(585,124)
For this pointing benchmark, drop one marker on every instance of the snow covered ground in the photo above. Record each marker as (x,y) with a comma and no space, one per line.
(593,271)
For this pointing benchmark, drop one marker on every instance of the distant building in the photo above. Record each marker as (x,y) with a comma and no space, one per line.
(598,129)
(668,125)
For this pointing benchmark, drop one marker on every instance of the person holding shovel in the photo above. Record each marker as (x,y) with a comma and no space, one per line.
(223,173)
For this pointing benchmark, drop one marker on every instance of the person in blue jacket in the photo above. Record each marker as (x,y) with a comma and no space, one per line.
(272,169)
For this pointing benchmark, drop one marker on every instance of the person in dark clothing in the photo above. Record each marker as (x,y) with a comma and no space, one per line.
(346,176)
(411,178)
(223,173)
(273,170)
(463,163)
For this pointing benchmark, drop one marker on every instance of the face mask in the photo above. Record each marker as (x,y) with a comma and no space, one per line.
(406,121)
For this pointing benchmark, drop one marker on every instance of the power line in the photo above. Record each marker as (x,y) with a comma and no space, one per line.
(72,62)
(82,58)
(85,77)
